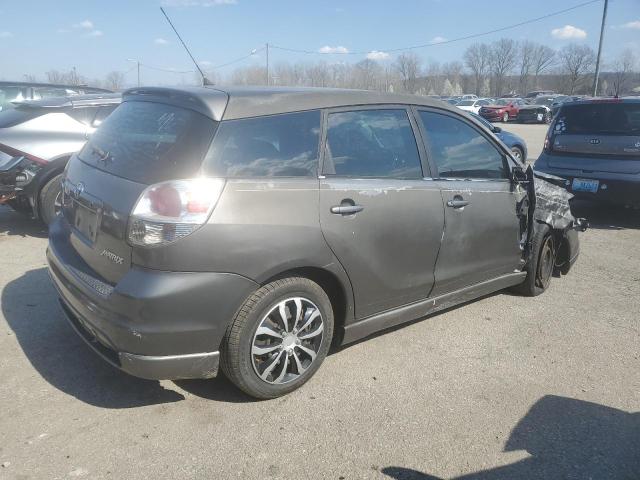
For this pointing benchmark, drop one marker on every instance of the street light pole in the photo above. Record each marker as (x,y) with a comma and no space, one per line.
(597,74)
(267,47)
(137,62)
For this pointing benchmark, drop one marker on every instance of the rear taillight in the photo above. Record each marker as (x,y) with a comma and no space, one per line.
(168,211)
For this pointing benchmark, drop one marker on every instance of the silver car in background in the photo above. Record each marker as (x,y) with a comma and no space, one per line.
(595,146)
(37,139)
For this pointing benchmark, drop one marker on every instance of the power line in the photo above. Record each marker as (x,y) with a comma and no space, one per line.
(467,37)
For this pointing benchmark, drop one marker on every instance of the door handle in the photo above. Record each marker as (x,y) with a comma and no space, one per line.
(346,209)
(457,202)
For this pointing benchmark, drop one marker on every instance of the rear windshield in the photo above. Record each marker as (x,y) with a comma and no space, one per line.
(150,142)
(599,118)
(284,145)
(16,116)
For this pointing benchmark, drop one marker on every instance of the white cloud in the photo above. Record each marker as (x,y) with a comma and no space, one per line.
(438,39)
(160,41)
(377,55)
(634,25)
(338,49)
(568,32)
(6,34)
(197,3)
(95,33)
(85,25)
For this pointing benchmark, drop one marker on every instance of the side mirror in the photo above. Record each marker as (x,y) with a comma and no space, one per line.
(518,175)
(497,129)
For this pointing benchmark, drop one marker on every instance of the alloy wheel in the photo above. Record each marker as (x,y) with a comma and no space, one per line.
(287,340)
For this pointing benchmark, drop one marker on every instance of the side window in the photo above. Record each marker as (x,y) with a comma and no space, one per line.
(372,143)
(284,145)
(460,151)
(103,112)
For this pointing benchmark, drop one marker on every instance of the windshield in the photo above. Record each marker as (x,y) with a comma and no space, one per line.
(504,101)
(599,118)
(544,100)
(466,103)
(150,142)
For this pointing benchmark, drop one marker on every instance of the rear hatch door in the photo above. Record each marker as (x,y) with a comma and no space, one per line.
(605,135)
(140,144)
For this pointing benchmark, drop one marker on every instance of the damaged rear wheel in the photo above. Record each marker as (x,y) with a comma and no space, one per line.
(541,264)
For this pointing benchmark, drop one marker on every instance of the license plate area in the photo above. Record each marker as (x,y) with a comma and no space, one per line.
(85,222)
(585,185)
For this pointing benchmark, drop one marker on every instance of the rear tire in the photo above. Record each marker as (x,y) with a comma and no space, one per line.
(274,363)
(541,265)
(518,154)
(49,200)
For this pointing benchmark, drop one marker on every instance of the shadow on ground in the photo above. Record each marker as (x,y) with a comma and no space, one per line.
(14,223)
(606,217)
(30,306)
(567,439)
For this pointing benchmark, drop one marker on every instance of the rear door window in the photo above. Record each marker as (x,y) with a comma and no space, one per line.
(284,145)
(149,142)
(372,143)
(599,118)
(460,151)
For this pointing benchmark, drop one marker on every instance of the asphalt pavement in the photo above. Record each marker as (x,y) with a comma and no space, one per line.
(503,387)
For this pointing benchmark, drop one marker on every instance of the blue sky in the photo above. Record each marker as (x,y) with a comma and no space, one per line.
(99,36)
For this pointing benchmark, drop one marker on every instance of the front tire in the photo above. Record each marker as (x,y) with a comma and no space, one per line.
(279,338)
(50,200)
(505,117)
(541,264)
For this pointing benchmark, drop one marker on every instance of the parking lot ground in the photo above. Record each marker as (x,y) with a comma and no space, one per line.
(533,135)
(503,387)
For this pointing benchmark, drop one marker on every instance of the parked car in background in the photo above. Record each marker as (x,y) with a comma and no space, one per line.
(24,91)
(473,105)
(537,93)
(560,99)
(37,139)
(515,143)
(453,101)
(204,227)
(537,111)
(595,145)
(503,110)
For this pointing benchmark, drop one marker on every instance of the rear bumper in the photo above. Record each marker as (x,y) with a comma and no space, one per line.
(151,324)
(616,189)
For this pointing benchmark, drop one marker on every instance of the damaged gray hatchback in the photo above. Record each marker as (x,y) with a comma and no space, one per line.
(251,229)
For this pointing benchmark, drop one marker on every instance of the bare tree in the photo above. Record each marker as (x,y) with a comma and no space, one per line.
(503,60)
(477,58)
(576,61)
(54,76)
(623,68)
(543,58)
(526,50)
(408,65)
(367,74)
(114,80)
(28,77)
(318,75)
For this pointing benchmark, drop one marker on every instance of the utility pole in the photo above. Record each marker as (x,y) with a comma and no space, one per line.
(267,47)
(597,75)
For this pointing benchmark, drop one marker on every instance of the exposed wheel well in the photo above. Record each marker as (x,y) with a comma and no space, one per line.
(333,288)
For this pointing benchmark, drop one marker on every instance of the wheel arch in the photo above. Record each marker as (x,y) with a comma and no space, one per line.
(337,289)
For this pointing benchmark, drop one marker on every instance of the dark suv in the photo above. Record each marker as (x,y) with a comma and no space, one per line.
(253,228)
(595,146)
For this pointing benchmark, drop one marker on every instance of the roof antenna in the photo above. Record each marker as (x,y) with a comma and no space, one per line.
(205,80)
